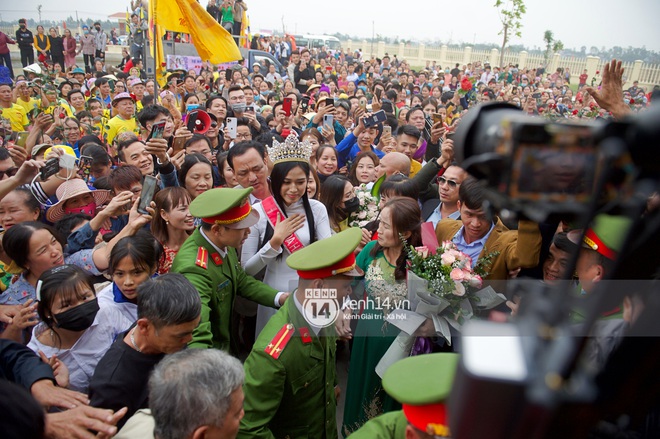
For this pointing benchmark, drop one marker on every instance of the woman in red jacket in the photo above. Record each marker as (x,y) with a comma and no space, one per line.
(69,49)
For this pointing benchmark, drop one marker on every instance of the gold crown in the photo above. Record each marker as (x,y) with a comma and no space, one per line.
(291,150)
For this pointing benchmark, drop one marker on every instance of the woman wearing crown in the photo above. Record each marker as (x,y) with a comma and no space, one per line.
(288,221)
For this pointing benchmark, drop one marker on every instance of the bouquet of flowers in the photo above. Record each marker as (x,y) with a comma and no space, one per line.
(443,286)
(368,210)
(448,278)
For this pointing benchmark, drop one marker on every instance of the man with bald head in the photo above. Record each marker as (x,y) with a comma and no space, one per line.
(446,206)
(393,163)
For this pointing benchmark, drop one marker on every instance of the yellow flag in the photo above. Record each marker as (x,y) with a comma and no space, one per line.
(245,30)
(212,41)
(156,47)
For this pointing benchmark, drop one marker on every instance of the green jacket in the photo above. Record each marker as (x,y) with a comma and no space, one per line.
(292,396)
(390,425)
(218,285)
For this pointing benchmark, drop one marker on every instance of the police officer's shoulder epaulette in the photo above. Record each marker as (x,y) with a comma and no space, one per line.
(279,342)
(202,259)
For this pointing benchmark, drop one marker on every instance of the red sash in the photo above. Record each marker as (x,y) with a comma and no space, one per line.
(292,243)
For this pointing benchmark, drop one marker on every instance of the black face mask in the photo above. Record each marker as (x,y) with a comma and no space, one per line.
(352,205)
(78,318)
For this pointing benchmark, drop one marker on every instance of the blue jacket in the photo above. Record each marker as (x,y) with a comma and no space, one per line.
(348,149)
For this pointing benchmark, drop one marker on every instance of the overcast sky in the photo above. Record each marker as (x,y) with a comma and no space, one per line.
(576,22)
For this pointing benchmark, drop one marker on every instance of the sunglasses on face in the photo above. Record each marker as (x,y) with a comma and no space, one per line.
(452,184)
(9,172)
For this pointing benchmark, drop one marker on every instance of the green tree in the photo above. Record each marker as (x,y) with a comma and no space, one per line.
(548,38)
(510,13)
(551,45)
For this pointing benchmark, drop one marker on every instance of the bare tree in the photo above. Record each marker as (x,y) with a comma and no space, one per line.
(510,13)
(39,11)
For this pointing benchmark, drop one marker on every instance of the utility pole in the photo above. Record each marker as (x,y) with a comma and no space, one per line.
(373,36)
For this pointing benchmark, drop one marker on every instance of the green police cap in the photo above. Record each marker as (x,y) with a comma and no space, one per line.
(421,384)
(328,257)
(228,207)
(605,236)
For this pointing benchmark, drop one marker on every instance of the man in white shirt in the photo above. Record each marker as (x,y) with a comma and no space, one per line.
(487,75)
(446,206)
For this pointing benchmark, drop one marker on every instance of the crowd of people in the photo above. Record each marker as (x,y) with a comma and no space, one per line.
(101,290)
(57,53)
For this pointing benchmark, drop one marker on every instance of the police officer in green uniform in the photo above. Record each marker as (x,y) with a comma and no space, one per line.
(290,375)
(208,260)
(599,248)
(421,384)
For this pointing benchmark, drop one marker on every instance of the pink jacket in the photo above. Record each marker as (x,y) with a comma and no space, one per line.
(70,46)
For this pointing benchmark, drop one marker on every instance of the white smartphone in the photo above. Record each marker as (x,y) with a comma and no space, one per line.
(231,126)
(328,120)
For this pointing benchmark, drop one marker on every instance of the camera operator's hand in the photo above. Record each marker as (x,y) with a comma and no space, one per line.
(178,159)
(376,103)
(386,143)
(57,115)
(158,147)
(183,132)
(252,120)
(43,121)
(360,115)
(168,100)
(611,91)
(18,154)
(446,153)
(328,133)
(54,153)
(137,220)
(323,110)
(118,205)
(288,122)
(437,131)
(27,171)
(227,138)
